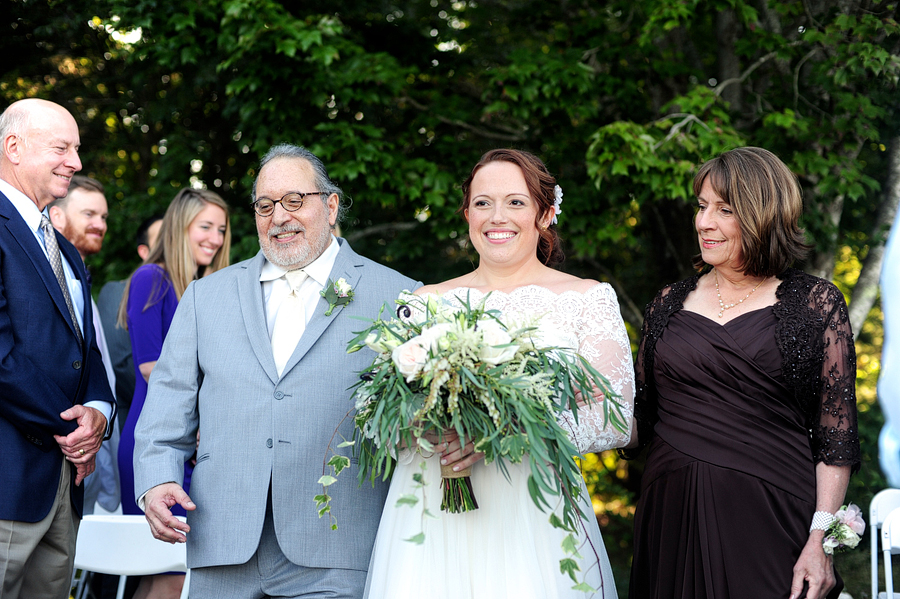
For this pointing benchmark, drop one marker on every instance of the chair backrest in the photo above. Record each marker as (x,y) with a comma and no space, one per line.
(890,532)
(883,504)
(124,545)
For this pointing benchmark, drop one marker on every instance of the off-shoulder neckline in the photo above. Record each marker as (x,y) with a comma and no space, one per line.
(517,290)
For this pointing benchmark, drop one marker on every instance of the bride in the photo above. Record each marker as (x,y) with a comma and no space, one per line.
(507,547)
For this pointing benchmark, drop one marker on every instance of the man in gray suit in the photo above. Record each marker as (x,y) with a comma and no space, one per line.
(255,364)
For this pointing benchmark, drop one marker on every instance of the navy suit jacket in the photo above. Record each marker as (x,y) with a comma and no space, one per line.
(43,370)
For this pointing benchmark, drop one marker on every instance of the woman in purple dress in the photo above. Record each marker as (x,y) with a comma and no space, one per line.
(194,241)
(746,398)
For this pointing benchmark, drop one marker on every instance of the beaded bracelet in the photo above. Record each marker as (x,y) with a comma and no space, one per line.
(821,521)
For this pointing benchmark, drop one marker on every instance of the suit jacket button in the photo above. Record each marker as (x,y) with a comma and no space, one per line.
(76,364)
(269,443)
(279,395)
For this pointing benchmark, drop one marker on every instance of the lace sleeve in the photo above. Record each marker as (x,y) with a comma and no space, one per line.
(603,341)
(835,437)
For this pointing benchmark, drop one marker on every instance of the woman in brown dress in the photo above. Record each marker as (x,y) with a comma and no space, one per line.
(746,397)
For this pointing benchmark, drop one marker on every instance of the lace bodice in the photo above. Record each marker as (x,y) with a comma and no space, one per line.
(590,322)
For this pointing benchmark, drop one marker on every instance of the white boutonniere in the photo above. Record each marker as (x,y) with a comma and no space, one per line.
(337,293)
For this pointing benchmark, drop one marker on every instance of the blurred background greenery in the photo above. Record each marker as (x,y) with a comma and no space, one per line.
(621,98)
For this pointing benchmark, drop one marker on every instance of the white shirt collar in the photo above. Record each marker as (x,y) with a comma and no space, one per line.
(318,270)
(23,205)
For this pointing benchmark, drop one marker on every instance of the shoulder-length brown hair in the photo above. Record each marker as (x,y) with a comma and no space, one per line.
(540,185)
(172,250)
(766,199)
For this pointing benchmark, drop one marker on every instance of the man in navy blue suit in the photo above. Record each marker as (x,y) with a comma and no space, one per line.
(55,400)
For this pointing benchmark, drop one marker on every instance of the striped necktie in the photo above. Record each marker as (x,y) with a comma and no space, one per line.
(56,265)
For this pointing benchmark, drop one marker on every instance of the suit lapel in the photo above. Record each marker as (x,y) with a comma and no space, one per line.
(347,265)
(251,302)
(15,224)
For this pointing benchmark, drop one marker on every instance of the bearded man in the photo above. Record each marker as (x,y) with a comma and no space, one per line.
(256,359)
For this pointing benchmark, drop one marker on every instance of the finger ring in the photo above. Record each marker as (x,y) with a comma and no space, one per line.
(81,451)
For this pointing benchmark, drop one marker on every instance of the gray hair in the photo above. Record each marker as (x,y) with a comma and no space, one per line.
(322,181)
(14,121)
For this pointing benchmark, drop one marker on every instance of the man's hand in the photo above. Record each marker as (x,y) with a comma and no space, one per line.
(80,446)
(158,503)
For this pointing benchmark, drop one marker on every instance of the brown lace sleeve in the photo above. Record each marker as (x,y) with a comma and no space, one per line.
(835,437)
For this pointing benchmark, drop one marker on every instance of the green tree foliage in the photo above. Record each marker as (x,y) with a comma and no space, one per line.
(622,100)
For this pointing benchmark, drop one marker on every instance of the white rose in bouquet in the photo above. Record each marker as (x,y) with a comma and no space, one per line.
(374,341)
(410,357)
(493,335)
(435,337)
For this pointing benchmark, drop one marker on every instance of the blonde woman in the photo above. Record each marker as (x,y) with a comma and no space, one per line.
(194,241)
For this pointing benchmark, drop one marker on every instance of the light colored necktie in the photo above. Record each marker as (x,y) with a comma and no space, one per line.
(290,321)
(56,265)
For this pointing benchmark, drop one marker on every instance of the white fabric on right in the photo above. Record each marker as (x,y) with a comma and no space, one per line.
(889,379)
(290,321)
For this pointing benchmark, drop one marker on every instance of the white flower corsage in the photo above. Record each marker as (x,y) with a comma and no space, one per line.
(845,530)
(337,293)
(558,195)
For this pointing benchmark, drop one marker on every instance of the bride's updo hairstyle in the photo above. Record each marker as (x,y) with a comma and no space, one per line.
(540,185)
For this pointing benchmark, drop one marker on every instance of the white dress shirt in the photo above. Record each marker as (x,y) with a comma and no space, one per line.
(276,287)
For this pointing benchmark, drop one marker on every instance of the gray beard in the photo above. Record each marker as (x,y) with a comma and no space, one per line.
(298,255)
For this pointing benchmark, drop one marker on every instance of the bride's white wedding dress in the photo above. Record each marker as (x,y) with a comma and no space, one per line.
(507,547)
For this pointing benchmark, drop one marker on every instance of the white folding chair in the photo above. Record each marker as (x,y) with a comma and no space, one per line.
(125,546)
(882,504)
(890,545)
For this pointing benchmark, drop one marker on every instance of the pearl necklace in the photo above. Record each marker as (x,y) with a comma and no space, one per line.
(740,301)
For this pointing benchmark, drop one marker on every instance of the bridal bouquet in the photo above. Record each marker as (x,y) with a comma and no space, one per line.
(488,377)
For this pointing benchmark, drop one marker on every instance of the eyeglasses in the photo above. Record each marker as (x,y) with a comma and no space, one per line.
(291,202)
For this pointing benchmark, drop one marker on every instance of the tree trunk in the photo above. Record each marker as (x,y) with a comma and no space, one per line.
(866,289)
(729,64)
(822,262)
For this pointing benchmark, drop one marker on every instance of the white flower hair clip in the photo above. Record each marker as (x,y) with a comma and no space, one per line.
(558,195)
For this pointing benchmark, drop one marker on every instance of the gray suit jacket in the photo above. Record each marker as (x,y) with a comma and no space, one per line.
(216,372)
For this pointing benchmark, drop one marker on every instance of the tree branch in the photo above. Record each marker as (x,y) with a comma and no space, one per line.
(809,15)
(688,118)
(822,263)
(721,87)
(866,289)
(797,75)
(463,125)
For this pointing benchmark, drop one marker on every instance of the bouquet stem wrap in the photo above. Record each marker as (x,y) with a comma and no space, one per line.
(458,493)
